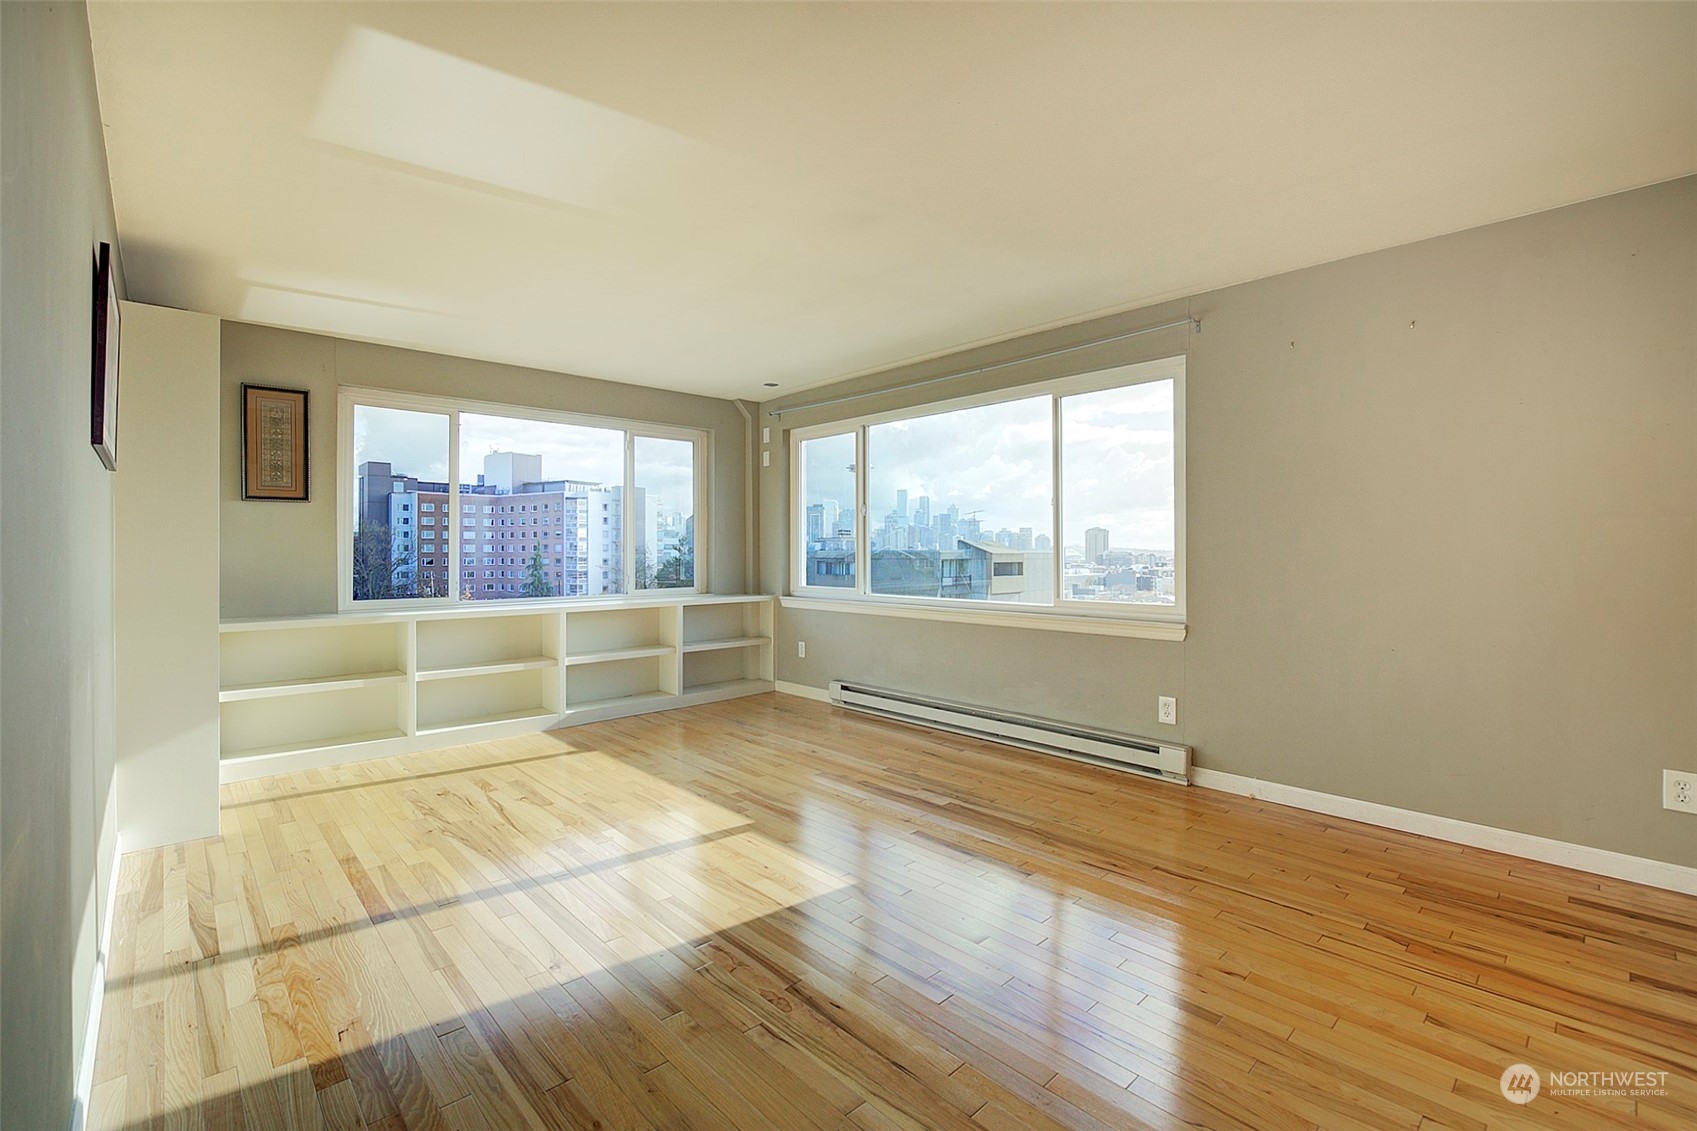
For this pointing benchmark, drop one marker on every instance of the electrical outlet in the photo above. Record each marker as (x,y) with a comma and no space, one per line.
(1679,790)
(765,459)
(801,649)
(1166,710)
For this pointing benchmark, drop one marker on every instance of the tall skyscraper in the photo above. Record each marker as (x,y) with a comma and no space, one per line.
(1095,543)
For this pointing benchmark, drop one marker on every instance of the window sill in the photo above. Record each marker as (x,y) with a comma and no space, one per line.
(400,612)
(1044,621)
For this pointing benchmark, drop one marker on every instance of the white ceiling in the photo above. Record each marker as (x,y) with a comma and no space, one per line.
(708,197)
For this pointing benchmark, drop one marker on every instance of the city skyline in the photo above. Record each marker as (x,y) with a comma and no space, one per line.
(1117,466)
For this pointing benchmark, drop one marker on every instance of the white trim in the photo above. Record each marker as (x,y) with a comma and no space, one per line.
(972,612)
(801,690)
(97,995)
(1599,861)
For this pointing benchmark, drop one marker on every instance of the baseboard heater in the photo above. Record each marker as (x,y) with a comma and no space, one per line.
(1103,748)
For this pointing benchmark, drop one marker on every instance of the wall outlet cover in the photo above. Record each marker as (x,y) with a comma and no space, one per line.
(1679,790)
(1166,710)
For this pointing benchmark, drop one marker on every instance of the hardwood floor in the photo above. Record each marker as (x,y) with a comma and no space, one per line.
(769,913)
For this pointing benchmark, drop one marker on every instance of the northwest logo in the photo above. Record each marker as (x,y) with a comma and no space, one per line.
(1520,1083)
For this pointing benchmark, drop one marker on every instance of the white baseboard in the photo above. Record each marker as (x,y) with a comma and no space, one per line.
(1599,861)
(97,995)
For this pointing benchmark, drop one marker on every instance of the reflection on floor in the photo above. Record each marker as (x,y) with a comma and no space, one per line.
(769,913)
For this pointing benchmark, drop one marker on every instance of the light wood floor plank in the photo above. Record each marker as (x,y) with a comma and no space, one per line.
(770,913)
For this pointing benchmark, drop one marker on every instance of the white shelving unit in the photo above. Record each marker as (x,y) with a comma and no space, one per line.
(726,648)
(302,692)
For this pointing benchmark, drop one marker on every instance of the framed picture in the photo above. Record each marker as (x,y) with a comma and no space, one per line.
(273,443)
(103,411)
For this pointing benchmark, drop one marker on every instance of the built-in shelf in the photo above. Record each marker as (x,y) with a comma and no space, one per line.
(591,705)
(726,688)
(276,688)
(734,642)
(609,655)
(315,691)
(336,742)
(493,667)
(485,720)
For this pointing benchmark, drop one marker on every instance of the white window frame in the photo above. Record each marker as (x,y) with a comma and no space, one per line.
(1164,621)
(347,475)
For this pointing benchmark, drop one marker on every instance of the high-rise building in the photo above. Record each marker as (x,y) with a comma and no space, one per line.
(569,531)
(1095,543)
(505,471)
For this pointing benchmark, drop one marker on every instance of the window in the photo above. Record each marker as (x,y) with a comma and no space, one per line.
(406,455)
(396,453)
(543,460)
(1065,496)
(664,504)
(826,493)
(959,487)
(1118,479)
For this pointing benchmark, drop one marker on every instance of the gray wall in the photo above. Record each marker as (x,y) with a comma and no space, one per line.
(280,558)
(1442,547)
(56,565)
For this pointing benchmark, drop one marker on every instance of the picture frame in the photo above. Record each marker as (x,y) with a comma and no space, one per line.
(103,391)
(274,444)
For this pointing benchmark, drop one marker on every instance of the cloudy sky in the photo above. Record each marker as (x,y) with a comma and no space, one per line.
(1117,460)
(1117,465)
(416,443)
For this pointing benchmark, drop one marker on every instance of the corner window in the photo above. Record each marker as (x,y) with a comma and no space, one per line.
(1060,497)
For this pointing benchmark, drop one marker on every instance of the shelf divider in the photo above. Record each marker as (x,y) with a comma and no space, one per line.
(285,748)
(494,667)
(237,693)
(609,655)
(730,642)
(537,712)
